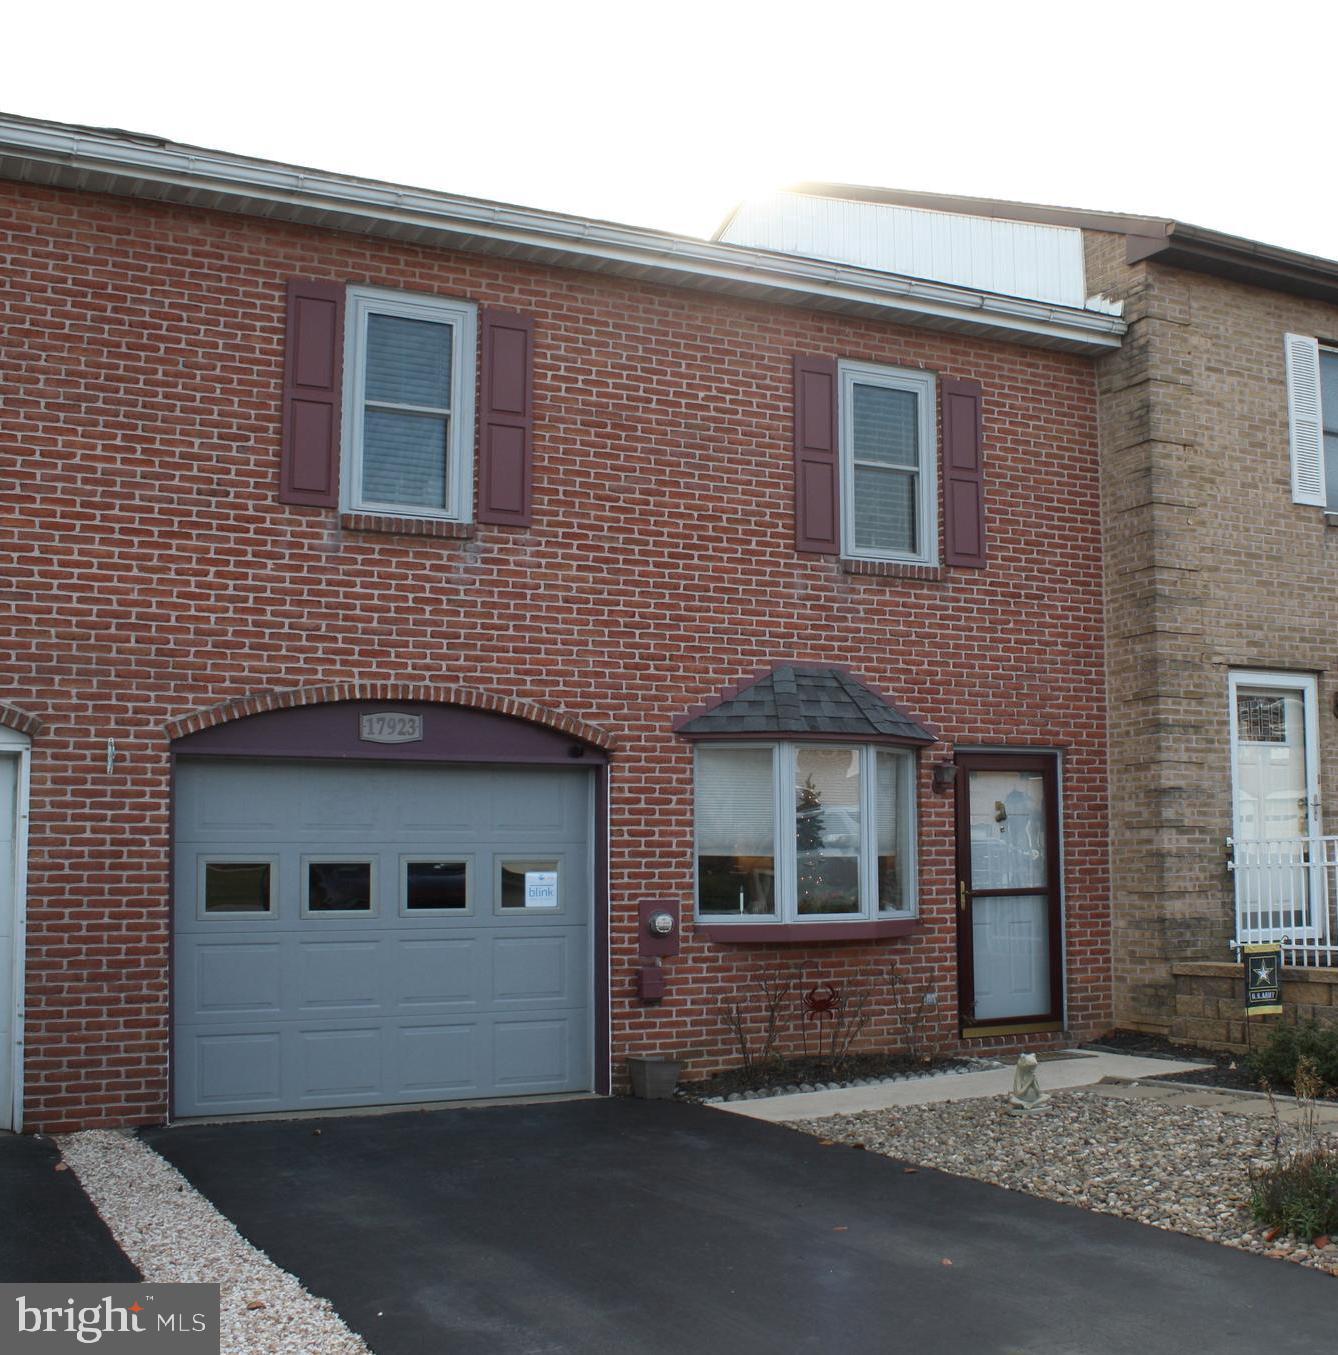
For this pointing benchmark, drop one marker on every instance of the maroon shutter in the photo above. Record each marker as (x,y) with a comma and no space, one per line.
(506,419)
(963,474)
(817,494)
(313,363)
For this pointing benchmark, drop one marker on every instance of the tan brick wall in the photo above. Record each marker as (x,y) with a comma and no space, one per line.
(1210,566)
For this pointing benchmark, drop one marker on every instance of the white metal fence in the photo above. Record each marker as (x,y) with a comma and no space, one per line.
(1287,891)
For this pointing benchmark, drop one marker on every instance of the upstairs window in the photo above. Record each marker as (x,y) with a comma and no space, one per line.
(867,463)
(1312,415)
(409,405)
(888,464)
(1328,399)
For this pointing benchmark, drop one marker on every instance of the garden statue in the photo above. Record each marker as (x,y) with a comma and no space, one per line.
(1027,1094)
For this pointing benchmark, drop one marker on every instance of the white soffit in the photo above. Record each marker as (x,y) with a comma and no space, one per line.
(1012,258)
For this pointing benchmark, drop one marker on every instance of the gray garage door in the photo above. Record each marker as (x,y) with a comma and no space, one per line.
(366,934)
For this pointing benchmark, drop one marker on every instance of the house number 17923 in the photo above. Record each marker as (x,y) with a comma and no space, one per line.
(390,726)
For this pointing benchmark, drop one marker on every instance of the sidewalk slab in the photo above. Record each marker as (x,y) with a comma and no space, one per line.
(1059,1075)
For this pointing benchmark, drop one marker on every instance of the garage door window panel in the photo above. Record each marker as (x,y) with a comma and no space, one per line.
(237,886)
(529,885)
(338,885)
(431,885)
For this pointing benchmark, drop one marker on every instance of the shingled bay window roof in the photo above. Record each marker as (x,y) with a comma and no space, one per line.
(804,702)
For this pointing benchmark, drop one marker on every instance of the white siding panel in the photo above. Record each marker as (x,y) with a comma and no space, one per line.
(1015,258)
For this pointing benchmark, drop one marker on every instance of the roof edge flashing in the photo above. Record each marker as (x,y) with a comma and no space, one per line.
(64,157)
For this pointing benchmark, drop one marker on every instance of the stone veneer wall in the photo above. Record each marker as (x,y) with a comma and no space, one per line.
(1209,567)
(1210,1004)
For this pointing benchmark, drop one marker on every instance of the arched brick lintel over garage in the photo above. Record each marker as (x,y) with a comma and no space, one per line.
(467,698)
(244,770)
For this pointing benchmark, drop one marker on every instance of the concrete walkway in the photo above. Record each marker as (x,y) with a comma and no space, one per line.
(1215,1098)
(1081,1070)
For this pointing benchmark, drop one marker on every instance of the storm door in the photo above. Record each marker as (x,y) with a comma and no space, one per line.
(1008,891)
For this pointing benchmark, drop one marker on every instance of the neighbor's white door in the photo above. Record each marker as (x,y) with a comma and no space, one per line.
(9,780)
(1275,797)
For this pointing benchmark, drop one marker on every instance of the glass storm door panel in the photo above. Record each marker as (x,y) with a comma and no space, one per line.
(1008,888)
(1271,778)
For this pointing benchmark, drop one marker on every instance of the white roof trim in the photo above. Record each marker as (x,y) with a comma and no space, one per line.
(106,162)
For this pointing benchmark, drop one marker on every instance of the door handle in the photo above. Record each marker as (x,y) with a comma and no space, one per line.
(961,895)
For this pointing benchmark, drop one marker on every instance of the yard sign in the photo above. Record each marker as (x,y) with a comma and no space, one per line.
(1263,980)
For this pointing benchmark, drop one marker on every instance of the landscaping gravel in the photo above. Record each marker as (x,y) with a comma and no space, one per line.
(174,1235)
(1174,1167)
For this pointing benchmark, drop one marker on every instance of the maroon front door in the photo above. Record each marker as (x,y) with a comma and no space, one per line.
(1009,929)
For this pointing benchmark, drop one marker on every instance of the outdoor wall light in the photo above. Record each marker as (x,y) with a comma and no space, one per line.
(945,773)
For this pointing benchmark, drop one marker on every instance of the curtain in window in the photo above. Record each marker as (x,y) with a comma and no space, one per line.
(885,446)
(736,865)
(408,362)
(405,451)
(887,817)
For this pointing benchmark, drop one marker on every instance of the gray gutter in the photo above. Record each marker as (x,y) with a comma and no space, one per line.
(101,161)
(1231,256)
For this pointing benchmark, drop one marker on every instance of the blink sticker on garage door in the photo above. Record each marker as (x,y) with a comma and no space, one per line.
(119,1319)
(541,889)
(390,726)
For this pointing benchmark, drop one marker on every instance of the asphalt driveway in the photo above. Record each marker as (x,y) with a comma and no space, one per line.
(49,1231)
(626,1226)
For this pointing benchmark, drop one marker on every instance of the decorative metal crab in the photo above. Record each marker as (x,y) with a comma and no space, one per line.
(821,1001)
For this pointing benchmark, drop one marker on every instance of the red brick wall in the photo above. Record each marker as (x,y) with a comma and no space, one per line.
(152,571)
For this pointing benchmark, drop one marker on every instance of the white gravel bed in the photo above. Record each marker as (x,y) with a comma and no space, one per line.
(1174,1167)
(174,1235)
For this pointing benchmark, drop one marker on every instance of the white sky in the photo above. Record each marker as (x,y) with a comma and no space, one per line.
(665,115)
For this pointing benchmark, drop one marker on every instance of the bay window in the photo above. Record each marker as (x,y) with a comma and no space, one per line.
(795,832)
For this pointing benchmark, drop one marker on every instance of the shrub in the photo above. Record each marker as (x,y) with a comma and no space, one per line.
(1287,1045)
(1299,1196)
(1299,1192)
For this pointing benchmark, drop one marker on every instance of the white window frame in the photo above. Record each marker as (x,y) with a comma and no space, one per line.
(783,781)
(462,316)
(924,386)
